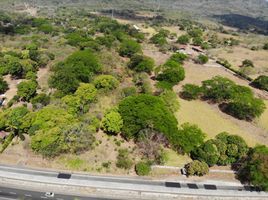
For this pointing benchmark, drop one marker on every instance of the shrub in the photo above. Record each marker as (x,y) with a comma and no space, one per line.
(140,63)
(197,168)
(198,41)
(106,82)
(247,63)
(3,85)
(191,91)
(27,90)
(129,47)
(112,122)
(265,46)
(183,39)
(86,92)
(160,38)
(202,59)
(143,168)
(261,82)
(123,160)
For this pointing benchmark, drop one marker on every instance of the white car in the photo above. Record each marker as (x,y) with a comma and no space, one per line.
(49,194)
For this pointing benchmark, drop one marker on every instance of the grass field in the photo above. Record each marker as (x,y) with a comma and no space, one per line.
(210,120)
(176,160)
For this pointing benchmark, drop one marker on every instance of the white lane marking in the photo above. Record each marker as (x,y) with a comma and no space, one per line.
(27,195)
(59,199)
(43,197)
(12,193)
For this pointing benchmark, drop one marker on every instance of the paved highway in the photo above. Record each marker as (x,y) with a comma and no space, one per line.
(129,184)
(11,193)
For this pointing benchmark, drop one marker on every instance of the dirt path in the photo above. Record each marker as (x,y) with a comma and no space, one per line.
(12,84)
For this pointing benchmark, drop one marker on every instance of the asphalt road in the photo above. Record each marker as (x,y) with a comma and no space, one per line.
(133,184)
(11,193)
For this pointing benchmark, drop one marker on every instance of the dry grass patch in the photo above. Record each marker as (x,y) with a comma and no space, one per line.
(176,160)
(263,120)
(211,121)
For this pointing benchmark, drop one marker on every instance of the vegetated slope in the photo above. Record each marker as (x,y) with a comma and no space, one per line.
(254,8)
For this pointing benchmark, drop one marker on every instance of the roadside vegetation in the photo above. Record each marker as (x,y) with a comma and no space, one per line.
(106,94)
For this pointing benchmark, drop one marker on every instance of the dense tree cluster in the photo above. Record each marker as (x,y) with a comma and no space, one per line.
(254,168)
(78,67)
(223,150)
(237,100)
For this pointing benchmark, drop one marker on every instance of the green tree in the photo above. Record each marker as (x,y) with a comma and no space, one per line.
(191,137)
(3,85)
(191,91)
(78,67)
(218,89)
(254,168)
(207,152)
(146,111)
(171,100)
(86,92)
(27,90)
(246,107)
(178,57)
(261,82)
(143,168)
(112,122)
(197,168)
(40,100)
(140,63)
(129,47)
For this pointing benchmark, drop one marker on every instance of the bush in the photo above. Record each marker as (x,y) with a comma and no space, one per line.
(123,160)
(183,39)
(112,122)
(3,85)
(129,47)
(140,63)
(191,91)
(261,82)
(86,92)
(27,90)
(178,57)
(254,168)
(247,63)
(142,168)
(143,111)
(129,91)
(197,168)
(106,82)
(202,59)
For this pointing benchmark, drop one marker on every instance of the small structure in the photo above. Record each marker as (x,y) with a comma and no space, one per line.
(136,27)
